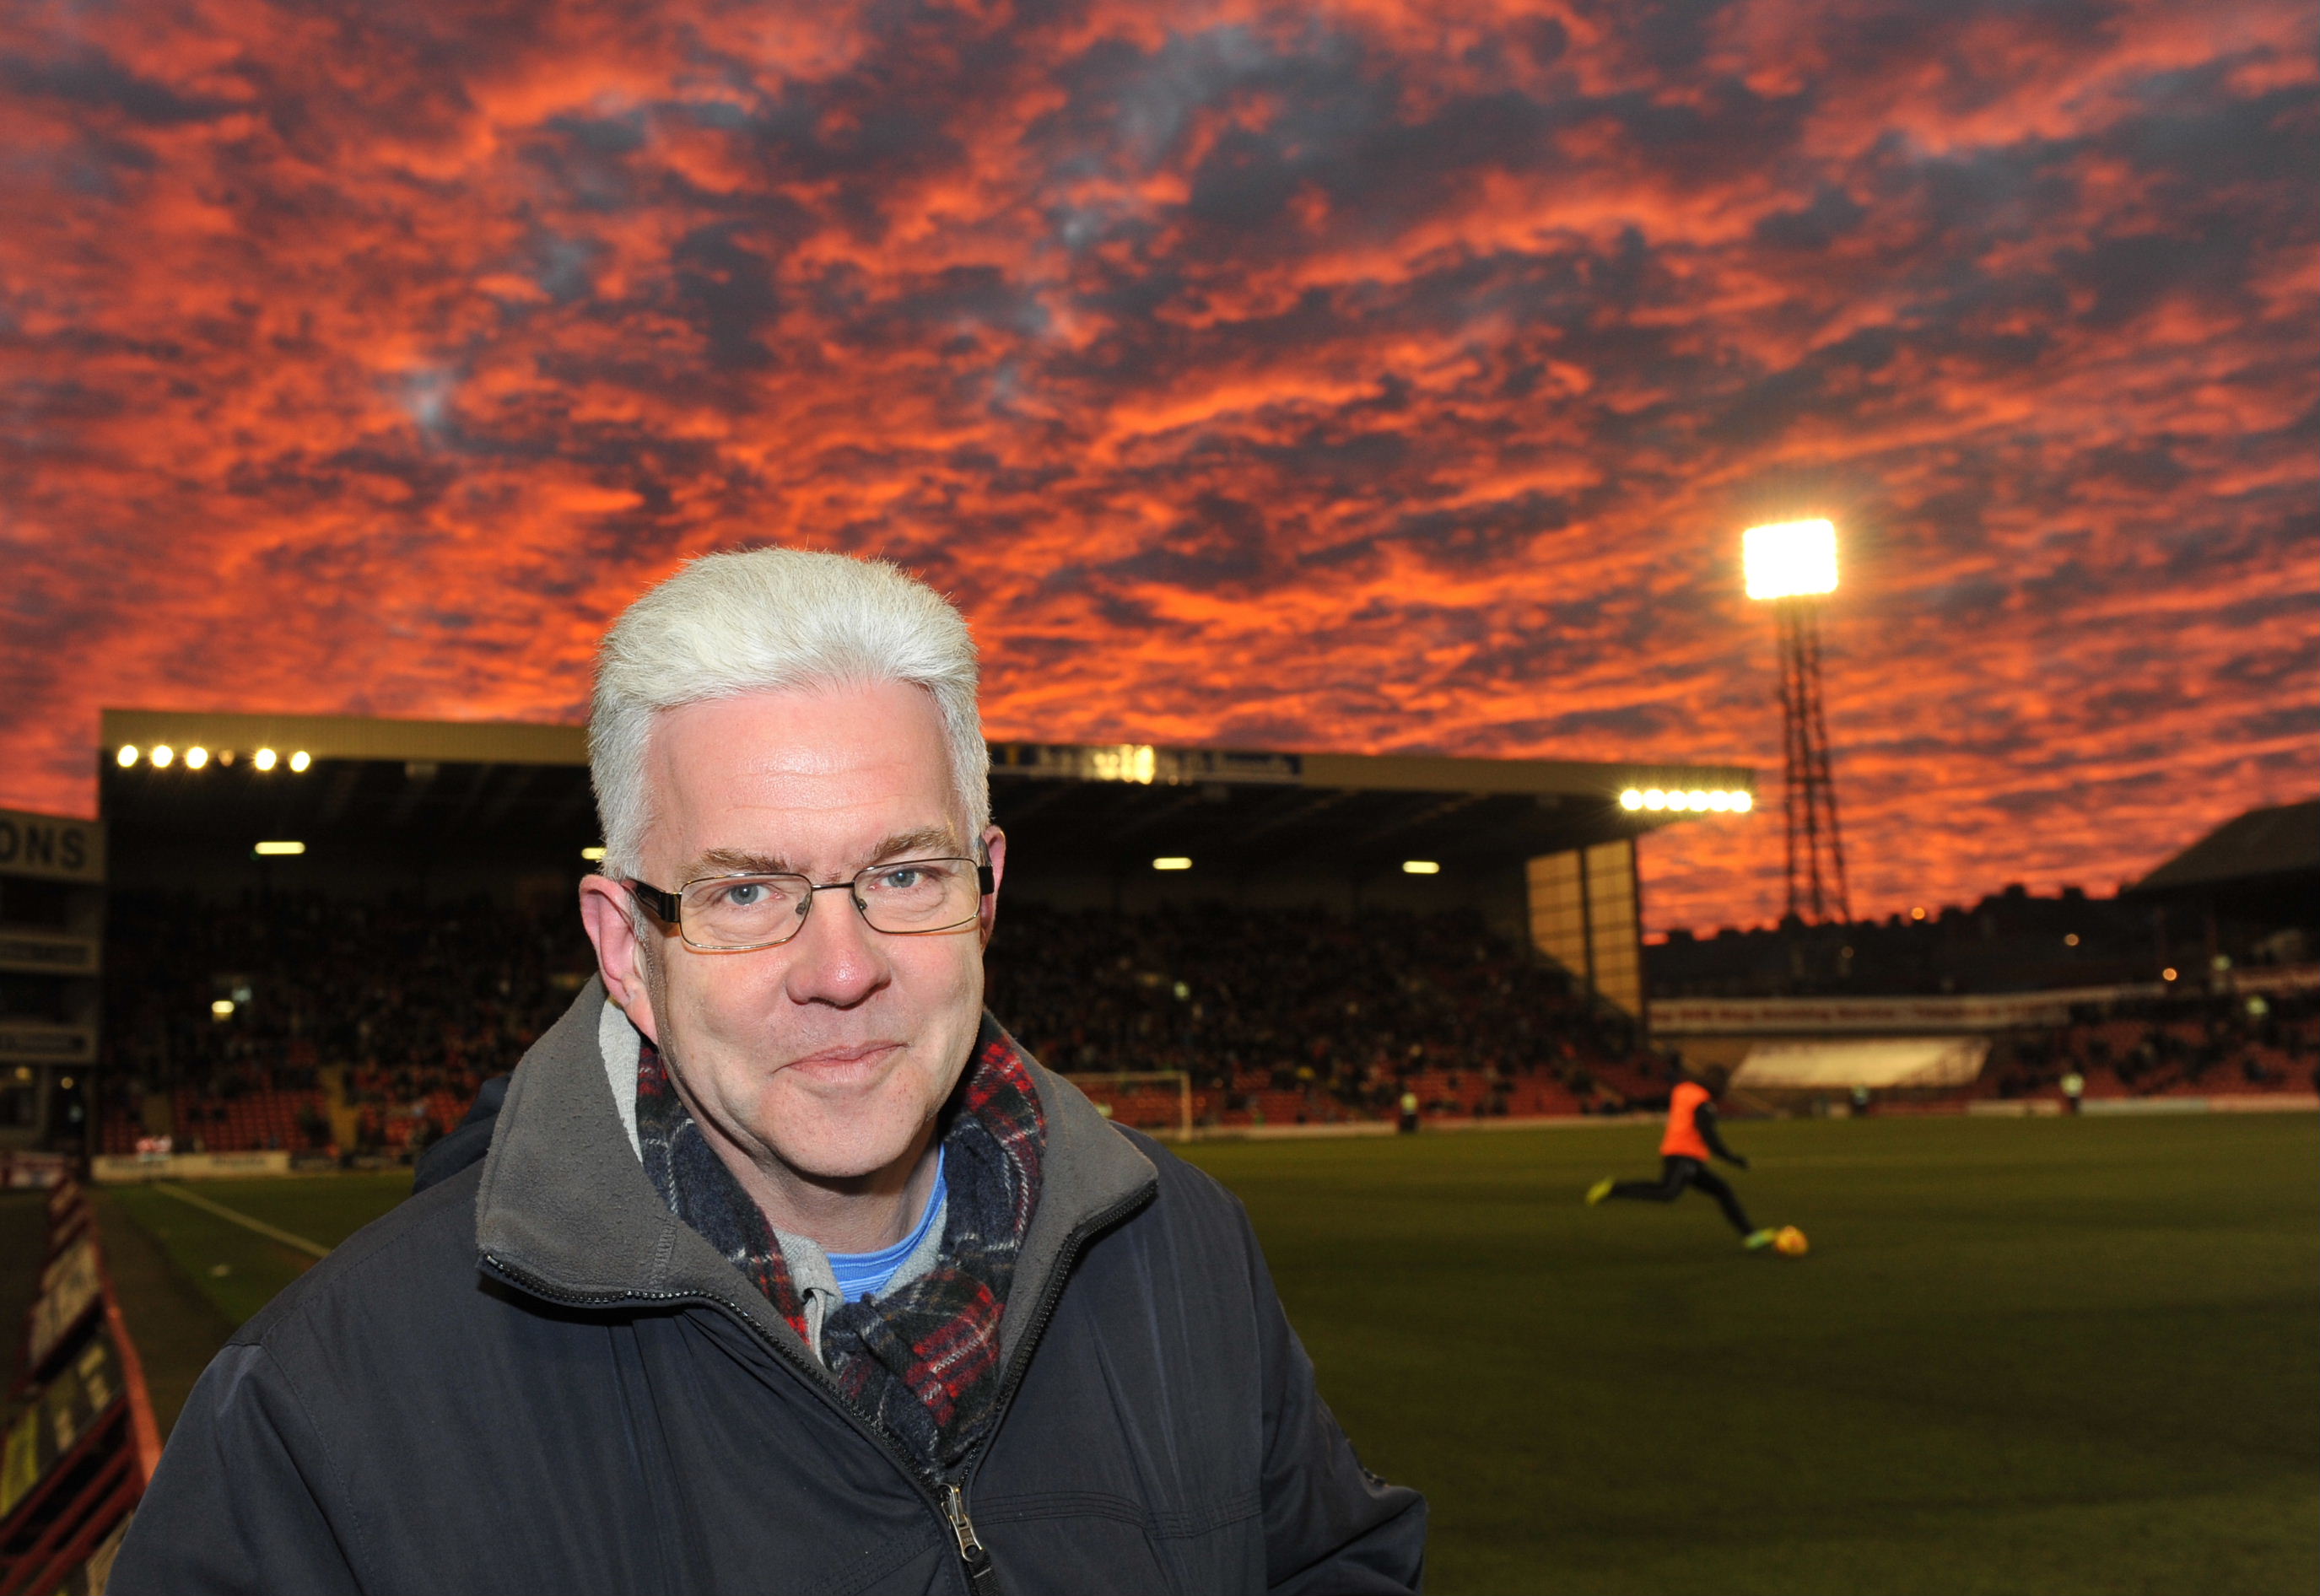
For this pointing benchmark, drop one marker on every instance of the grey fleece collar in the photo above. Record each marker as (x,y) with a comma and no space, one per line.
(564,1206)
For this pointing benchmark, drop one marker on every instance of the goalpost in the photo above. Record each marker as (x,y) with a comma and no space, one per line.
(1106,1089)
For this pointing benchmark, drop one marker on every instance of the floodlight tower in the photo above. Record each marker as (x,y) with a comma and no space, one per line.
(1790,565)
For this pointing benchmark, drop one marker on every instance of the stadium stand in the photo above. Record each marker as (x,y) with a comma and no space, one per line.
(365,1025)
(2195,1046)
(232,1028)
(368,1024)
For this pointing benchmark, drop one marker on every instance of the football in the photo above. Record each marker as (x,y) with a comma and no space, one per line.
(1791,1241)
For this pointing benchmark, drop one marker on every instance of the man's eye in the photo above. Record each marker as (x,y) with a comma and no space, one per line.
(747,895)
(903,880)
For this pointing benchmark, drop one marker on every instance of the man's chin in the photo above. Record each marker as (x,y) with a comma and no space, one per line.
(844,1140)
(840,1157)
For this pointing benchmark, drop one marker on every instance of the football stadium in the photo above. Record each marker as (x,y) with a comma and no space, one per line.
(1647,914)
(2044,1336)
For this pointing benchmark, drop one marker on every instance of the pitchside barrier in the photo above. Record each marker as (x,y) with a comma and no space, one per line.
(112,1169)
(80,1452)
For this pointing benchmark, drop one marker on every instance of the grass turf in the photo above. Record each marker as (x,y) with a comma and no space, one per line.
(2033,1355)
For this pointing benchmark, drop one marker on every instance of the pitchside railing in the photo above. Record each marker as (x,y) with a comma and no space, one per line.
(80,1452)
(1159,1101)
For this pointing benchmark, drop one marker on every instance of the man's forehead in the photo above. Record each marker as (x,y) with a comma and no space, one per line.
(809,780)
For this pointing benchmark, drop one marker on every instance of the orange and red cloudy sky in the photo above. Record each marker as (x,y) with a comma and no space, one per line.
(1372,376)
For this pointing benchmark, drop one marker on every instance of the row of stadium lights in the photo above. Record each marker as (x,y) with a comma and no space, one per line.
(1408,866)
(1695,801)
(596,856)
(161,756)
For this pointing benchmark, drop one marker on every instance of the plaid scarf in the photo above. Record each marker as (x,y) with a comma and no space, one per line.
(922,1362)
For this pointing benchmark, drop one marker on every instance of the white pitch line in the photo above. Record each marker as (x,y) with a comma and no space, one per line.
(313,1249)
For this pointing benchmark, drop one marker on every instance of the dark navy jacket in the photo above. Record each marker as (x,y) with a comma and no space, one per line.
(531,1377)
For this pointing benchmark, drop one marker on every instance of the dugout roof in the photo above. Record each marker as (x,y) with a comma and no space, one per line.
(525,786)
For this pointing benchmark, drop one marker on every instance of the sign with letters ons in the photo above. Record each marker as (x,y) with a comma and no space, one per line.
(51,848)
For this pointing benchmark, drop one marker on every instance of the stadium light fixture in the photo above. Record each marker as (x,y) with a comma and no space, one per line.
(221,1009)
(265,758)
(1421,868)
(1172,862)
(163,755)
(1742,803)
(1655,799)
(594,856)
(1632,799)
(279,850)
(196,756)
(1792,563)
(301,759)
(127,756)
(1789,560)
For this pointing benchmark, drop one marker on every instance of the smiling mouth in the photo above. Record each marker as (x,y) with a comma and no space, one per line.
(839,1060)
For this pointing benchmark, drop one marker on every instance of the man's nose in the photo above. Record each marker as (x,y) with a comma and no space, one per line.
(836,959)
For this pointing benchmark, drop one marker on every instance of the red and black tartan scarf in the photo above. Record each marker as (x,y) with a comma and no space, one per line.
(923,1361)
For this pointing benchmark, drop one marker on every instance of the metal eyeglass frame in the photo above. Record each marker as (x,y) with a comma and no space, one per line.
(668,907)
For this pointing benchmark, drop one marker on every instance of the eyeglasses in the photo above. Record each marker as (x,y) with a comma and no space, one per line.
(741,913)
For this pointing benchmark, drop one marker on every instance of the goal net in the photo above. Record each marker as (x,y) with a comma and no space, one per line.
(1156,1102)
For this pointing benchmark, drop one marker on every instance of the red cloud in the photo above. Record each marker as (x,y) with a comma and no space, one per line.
(1366,378)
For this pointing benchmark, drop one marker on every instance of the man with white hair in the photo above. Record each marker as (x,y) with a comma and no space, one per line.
(786,1268)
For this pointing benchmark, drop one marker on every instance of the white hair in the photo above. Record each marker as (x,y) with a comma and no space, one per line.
(768,620)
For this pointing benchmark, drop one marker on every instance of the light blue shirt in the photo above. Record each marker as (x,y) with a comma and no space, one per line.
(866,1275)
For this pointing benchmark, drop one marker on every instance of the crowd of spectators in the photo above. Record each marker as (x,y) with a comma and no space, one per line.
(2191,1044)
(406,1006)
(413,1002)
(1346,1013)
(243,1014)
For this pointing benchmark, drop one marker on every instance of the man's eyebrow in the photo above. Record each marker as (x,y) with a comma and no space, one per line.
(927,839)
(735,861)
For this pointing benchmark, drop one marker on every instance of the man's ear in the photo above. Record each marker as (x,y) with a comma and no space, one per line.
(995,849)
(608,911)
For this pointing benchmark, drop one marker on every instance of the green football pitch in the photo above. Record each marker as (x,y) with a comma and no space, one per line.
(2024,1355)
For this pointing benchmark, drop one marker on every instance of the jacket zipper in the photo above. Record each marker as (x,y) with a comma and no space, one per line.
(949,1499)
(980,1577)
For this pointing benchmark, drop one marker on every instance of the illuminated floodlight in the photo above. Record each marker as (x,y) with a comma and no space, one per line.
(2168,973)
(279,850)
(1633,798)
(301,759)
(265,758)
(221,1009)
(1420,867)
(1789,560)
(594,856)
(196,756)
(1127,762)
(1695,800)
(127,756)
(1655,799)
(162,756)
(1742,803)
(1172,862)
(1720,801)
